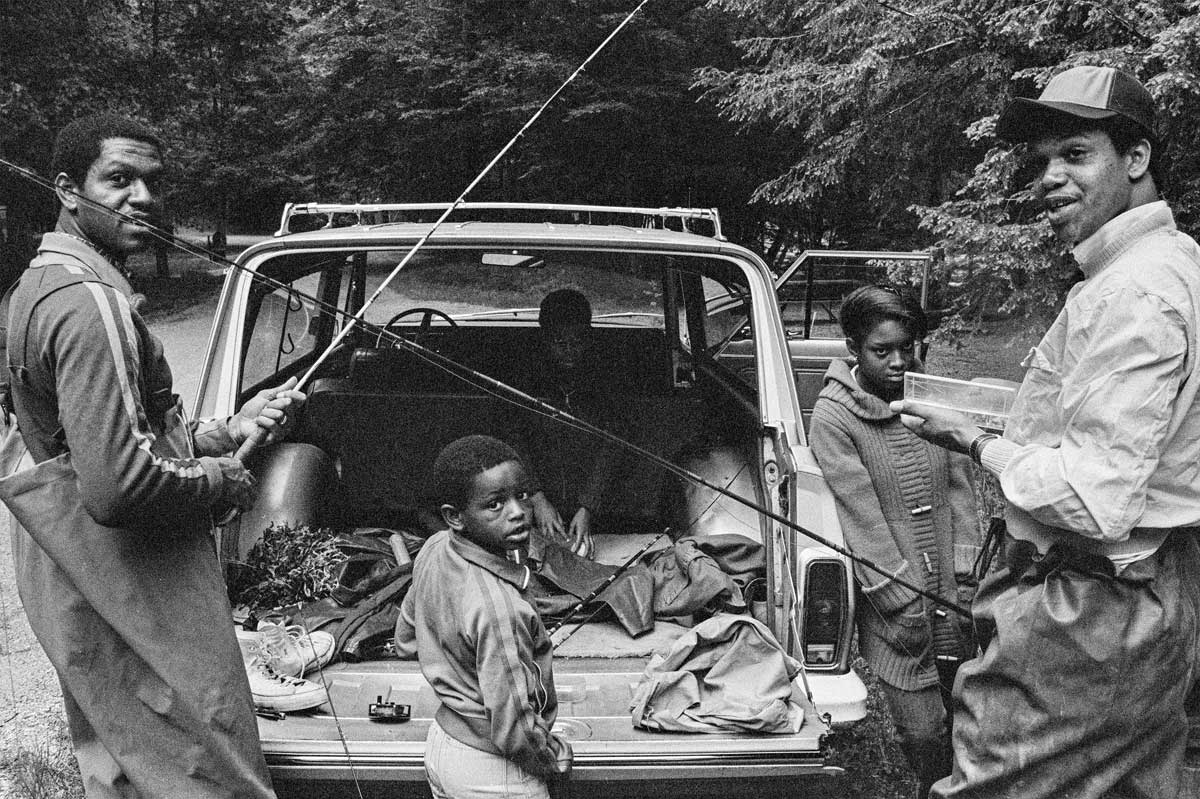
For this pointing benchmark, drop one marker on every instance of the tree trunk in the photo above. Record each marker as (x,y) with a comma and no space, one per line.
(162,267)
(220,238)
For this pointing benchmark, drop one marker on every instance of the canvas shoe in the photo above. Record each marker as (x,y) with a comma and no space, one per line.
(289,650)
(275,691)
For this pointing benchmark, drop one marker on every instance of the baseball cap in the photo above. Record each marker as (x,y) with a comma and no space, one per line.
(1081,92)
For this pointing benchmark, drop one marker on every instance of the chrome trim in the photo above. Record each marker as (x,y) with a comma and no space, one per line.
(381,767)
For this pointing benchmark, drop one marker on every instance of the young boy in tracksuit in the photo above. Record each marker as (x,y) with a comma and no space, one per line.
(481,644)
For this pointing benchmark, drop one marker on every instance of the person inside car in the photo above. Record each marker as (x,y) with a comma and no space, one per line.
(576,474)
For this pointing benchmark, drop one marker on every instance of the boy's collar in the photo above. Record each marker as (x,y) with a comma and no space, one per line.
(498,565)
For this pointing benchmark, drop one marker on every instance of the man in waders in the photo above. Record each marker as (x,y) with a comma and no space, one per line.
(1093,616)
(115,562)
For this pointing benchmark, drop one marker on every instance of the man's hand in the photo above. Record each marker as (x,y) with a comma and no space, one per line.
(273,410)
(238,487)
(581,533)
(948,429)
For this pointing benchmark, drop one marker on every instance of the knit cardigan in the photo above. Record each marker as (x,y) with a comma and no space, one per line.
(909,507)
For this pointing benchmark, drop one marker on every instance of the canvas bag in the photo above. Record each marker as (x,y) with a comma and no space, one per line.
(727,673)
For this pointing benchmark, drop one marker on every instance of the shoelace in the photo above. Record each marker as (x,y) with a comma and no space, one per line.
(264,668)
(277,643)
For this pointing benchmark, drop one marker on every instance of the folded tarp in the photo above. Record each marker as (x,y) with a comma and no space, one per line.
(725,674)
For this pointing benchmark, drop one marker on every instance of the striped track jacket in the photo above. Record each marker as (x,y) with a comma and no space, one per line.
(484,650)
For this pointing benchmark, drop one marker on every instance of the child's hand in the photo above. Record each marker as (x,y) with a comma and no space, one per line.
(581,533)
(546,520)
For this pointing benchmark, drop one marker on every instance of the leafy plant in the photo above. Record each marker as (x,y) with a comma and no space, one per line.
(286,566)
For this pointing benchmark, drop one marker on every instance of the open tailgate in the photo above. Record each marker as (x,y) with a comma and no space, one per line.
(594,695)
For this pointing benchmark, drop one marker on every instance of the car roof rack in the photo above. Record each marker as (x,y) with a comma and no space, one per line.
(350,214)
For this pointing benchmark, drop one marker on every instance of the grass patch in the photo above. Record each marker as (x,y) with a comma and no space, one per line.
(46,770)
(193,280)
(995,350)
(875,766)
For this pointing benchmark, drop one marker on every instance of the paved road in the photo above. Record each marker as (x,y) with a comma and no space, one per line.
(185,339)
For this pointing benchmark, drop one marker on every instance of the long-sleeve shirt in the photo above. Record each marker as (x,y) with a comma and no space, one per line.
(93,381)
(574,469)
(484,651)
(1103,443)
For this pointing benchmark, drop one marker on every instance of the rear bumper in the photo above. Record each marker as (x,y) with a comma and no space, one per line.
(305,749)
(842,696)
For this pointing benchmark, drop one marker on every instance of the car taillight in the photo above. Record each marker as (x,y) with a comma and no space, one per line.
(824,611)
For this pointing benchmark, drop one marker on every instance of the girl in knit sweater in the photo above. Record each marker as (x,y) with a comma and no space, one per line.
(909,507)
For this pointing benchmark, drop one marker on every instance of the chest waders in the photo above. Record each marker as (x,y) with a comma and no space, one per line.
(135,619)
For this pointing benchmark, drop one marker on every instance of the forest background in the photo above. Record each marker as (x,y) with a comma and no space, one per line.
(865,124)
(860,124)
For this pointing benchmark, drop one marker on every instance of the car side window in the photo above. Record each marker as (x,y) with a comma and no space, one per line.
(285,326)
(727,318)
(711,314)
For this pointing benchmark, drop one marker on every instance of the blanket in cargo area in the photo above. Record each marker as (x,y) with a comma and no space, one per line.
(727,673)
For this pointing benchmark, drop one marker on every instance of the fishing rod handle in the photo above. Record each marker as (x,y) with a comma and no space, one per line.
(252,442)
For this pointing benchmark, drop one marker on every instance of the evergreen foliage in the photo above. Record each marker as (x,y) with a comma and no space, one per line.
(809,123)
(891,108)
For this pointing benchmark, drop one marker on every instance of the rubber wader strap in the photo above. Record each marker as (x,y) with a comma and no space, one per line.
(6,403)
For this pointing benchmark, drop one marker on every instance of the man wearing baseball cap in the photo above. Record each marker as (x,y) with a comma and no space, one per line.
(1093,616)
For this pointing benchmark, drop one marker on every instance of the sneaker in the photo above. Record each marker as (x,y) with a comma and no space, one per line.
(275,691)
(290,651)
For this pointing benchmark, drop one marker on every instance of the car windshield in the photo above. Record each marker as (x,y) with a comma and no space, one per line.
(473,285)
(470,287)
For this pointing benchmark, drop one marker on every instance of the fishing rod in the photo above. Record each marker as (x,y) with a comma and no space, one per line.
(496,388)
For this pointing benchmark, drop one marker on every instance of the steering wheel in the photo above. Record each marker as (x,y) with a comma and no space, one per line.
(427,315)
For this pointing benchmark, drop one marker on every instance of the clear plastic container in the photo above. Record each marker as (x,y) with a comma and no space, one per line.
(987,403)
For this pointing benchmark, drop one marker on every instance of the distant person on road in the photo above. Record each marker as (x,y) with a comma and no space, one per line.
(482,646)
(112,540)
(909,507)
(575,472)
(1093,617)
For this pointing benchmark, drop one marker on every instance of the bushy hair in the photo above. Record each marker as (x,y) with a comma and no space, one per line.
(458,464)
(564,307)
(867,306)
(78,144)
